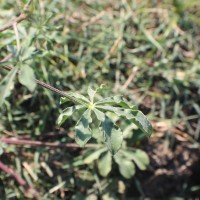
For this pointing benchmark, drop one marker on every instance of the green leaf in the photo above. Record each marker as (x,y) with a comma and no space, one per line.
(140,158)
(93,155)
(64,100)
(27,77)
(83,132)
(27,53)
(12,49)
(126,167)
(7,84)
(116,100)
(113,136)
(91,94)
(67,113)
(117,110)
(135,116)
(105,164)
(100,115)
(142,122)
(79,97)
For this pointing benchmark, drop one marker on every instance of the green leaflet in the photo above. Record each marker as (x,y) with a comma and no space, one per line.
(64,100)
(142,122)
(140,158)
(135,116)
(79,97)
(67,113)
(100,115)
(94,155)
(27,77)
(105,164)
(116,100)
(113,136)
(91,94)
(83,131)
(126,167)
(7,84)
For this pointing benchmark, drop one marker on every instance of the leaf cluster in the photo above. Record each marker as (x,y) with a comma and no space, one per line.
(96,111)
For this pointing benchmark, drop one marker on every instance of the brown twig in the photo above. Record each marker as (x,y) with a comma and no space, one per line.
(21,181)
(7,57)
(22,17)
(15,141)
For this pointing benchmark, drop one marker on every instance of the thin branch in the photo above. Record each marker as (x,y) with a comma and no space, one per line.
(21,181)
(22,17)
(6,58)
(49,87)
(15,141)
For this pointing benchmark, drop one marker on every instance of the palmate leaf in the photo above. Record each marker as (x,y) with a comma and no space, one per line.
(113,136)
(83,131)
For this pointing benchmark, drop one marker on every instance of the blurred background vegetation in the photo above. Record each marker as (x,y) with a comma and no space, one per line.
(148,51)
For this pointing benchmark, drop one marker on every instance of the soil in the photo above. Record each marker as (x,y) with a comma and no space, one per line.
(174,170)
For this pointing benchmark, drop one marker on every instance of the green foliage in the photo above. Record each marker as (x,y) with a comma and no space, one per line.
(126,159)
(21,61)
(6,85)
(148,52)
(111,133)
(26,77)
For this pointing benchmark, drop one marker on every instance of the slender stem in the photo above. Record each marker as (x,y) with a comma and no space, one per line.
(17,36)
(20,181)
(22,17)
(49,87)
(15,141)
(7,57)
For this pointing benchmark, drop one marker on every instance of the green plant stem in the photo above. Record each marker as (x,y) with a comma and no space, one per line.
(49,87)
(17,36)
